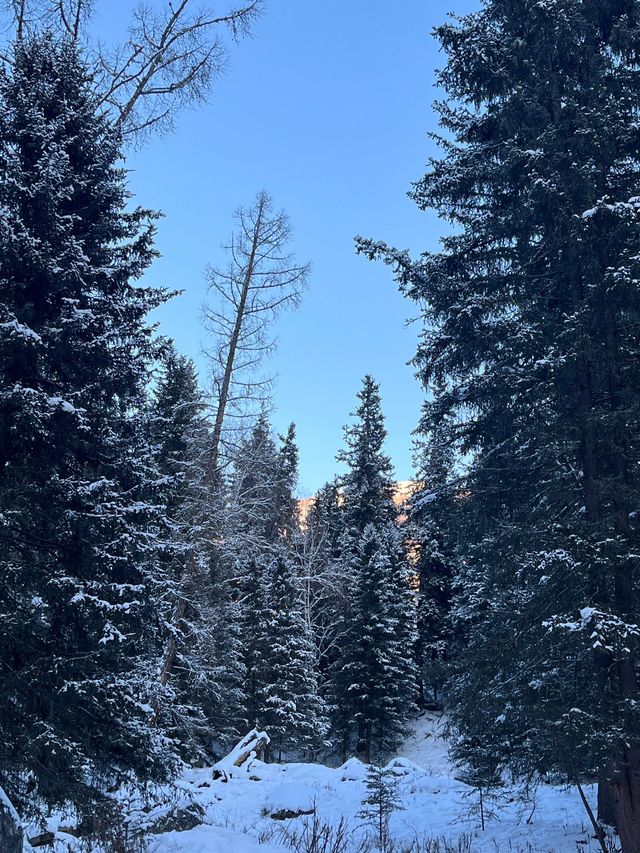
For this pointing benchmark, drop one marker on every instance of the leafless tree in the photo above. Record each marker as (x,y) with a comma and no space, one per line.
(169,58)
(261,279)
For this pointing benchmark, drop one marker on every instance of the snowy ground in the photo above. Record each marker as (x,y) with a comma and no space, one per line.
(238,813)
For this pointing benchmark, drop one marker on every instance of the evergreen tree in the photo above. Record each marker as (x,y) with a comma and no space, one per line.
(381,800)
(377,670)
(372,598)
(326,574)
(202,698)
(429,530)
(178,411)
(255,633)
(80,526)
(258,493)
(286,480)
(278,652)
(293,713)
(368,484)
(533,324)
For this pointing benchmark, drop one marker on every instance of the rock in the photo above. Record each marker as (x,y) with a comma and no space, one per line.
(178,820)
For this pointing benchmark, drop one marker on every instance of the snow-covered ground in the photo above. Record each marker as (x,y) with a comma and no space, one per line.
(246,813)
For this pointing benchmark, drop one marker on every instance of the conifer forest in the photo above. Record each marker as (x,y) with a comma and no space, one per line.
(196,656)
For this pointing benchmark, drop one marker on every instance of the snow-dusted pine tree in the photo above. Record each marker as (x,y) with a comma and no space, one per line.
(79,525)
(292,710)
(282,693)
(201,700)
(430,530)
(377,667)
(325,574)
(367,487)
(532,329)
(371,684)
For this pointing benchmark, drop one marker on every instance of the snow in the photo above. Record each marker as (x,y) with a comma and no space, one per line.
(290,797)
(208,839)
(241,757)
(21,330)
(60,402)
(243,811)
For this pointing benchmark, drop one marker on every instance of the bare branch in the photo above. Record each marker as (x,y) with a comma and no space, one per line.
(261,279)
(170,58)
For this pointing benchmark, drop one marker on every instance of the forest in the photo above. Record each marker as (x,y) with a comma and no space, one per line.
(191,656)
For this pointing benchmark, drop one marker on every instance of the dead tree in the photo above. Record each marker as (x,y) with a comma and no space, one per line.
(169,58)
(261,279)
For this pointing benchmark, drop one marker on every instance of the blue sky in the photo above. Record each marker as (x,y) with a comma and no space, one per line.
(327,108)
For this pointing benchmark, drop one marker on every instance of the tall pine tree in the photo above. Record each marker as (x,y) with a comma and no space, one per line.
(377,667)
(532,332)
(371,681)
(79,524)
(201,701)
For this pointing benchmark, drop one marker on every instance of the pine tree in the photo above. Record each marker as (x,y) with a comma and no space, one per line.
(278,650)
(286,480)
(255,632)
(257,493)
(381,800)
(202,699)
(377,669)
(373,598)
(178,410)
(80,525)
(293,713)
(532,328)
(430,531)
(368,484)
(326,574)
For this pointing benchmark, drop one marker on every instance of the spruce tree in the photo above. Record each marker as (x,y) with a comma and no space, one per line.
(286,481)
(325,568)
(430,532)
(258,493)
(368,484)
(253,581)
(293,713)
(380,802)
(373,597)
(80,526)
(532,334)
(278,651)
(377,669)
(201,701)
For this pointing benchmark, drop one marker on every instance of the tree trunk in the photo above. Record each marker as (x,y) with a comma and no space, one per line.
(233,347)
(627,785)
(606,801)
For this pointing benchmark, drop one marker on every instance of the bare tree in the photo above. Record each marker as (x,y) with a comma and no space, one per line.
(261,279)
(171,55)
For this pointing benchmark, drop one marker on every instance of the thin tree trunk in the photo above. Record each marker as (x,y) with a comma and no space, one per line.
(233,347)
(594,823)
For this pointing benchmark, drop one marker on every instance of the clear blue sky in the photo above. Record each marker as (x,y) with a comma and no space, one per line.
(327,107)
